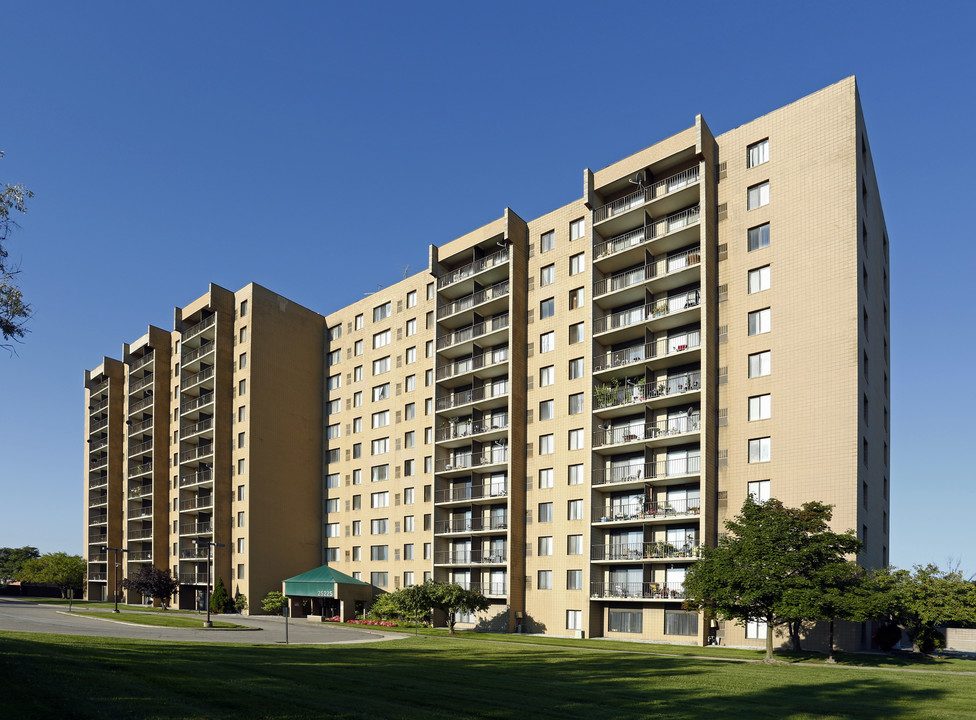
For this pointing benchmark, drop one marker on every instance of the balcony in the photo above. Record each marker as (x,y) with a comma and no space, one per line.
(140,426)
(191,381)
(472,332)
(141,512)
(193,578)
(672,266)
(468,493)
(197,403)
(140,556)
(666,307)
(140,448)
(193,554)
(197,478)
(488,589)
(98,539)
(452,277)
(97,425)
(188,431)
(476,299)
(140,469)
(141,404)
(97,482)
(98,462)
(661,470)
(659,550)
(665,429)
(100,405)
(638,391)
(194,330)
(98,500)
(466,397)
(497,455)
(100,519)
(197,353)
(98,387)
(196,453)
(488,359)
(197,503)
(139,363)
(661,348)
(469,557)
(145,381)
(462,430)
(140,492)
(97,577)
(639,590)
(646,510)
(98,444)
(202,528)
(659,189)
(666,234)
(470,525)
(139,534)
(97,557)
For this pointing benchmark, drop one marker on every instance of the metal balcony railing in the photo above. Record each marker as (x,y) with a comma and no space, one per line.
(606,396)
(643,590)
(98,444)
(98,425)
(141,469)
(656,268)
(193,554)
(467,302)
(486,588)
(139,556)
(203,400)
(646,510)
(99,519)
(191,355)
(100,405)
(471,269)
(652,192)
(98,387)
(472,332)
(98,500)
(139,534)
(140,491)
(645,550)
(197,503)
(98,482)
(141,512)
(649,311)
(458,461)
(668,427)
(140,448)
(475,524)
(97,557)
(140,426)
(195,478)
(471,492)
(143,361)
(495,389)
(203,528)
(647,233)
(190,430)
(648,351)
(145,381)
(675,467)
(92,539)
(97,577)
(197,452)
(460,367)
(190,381)
(459,430)
(140,404)
(98,462)
(195,330)
(193,578)
(469,557)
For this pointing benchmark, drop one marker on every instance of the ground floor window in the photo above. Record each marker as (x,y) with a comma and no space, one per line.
(678,622)
(574,619)
(629,621)
(756,630)
(465,617)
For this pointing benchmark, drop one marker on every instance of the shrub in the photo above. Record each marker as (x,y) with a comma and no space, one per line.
(929,640)
(273,603)
(220,601)
(240,603)
(888,635)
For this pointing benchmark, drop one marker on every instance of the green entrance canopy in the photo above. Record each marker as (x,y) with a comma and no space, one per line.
(320,582)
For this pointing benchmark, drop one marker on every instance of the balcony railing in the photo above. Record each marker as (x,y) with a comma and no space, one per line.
(99,387)
(98,482)
(467,302)
(460,367)
(203,528)
(647,351)
(140,426)
(464,397)
(195,330)
(473,268)
(472,332)
(99,519)
(139,534)
(463,430)
(197,452)
(197,503)
(652,192)
(140,491)
(141,512)
(195,478)
(190,430)
(193,578)
(487,588)
(647,233)
(471,492)
(668,427)
(646,510)
(98,462)
(674,467)
(649,311)
(143,361)
(98,500)
(189,381)
(140,448)
(193,554)
(93,539)
(191,355)
(645,550)
(98,425)
(605,396)
(645,590)
(199,402)
(139,556)
(97,577)
(469,557)
(145,381)
(660,267)
(97,557)
(460,461)
(475,524)
(140,404)
(100,405)
(98,444)
(140,469)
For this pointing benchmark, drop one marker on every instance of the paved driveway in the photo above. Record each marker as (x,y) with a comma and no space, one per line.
(25,616)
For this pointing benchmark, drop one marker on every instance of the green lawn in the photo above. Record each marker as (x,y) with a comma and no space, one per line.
(157,619)
(437,677)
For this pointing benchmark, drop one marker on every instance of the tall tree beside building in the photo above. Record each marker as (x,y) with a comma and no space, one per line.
(14,312)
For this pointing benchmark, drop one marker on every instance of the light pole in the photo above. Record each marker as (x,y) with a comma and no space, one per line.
(210,544)
(105,549)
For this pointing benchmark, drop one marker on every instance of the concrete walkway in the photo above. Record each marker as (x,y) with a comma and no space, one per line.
(27,616)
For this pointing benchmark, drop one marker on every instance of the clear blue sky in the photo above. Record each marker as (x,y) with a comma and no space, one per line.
(175,144)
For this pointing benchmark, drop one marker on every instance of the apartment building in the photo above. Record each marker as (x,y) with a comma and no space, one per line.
(558,412)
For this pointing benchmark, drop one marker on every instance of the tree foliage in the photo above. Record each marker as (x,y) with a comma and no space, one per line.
(273,603)
(14,312)
(152,582)
(770,566)
(220,600)
(66,572)
(409,603)
(13,559)
(451,598)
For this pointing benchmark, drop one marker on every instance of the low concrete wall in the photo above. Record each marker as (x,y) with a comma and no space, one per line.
(963,639)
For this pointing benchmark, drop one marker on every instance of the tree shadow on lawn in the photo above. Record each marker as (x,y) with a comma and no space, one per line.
(62,676)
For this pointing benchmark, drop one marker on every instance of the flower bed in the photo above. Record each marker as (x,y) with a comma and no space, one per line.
(381,623)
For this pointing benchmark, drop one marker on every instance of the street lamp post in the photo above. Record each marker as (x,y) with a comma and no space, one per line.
(105,549)
(210,544)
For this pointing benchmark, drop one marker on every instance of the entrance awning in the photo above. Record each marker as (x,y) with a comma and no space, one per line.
(321,582)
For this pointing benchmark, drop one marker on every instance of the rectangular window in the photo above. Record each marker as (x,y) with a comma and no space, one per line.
(410,356)
(758,195)
(574,544)
(357,425)
(335,357)
(412,298)
(575,510)
(576,333)
(546,444)
(576,403)
(547,308)
(628,621)
(335,382)
(357,399)
(243,335)
(379,500)
(576,441)
(575,474)
(759,321)
(381,366)
(408,523)
(379,526)
(240,469)
(760,364)
(576,368)
(332,431)
(380,446)
(759,279)
(240,493)
(577,263)
(242,387)
(243,312)
(410,383)
(381,392)
(547,342)
(757,153)
(381,339)
(357,373)
(679,622)
(379,473)
(756,630)
(357,348)
(547,275)
(357,502)
(408,495)
(334,407)
(577,229)
(382,312)
(547,376)
(576,298)
(409,468)
(429,348)
(408,551)
(410,411)
(545,580)
(359,322)
(547,410)
(409,439)
(759,450)
(380,419)
(379,579)
(759,490)
(547,242)
(411,327)
(332,530)
(545,512)
(760,407)
(574,579)
(332,480)
(545,478)
(241,437)
(545,546)
(357,477)
(574,619)
(758,237)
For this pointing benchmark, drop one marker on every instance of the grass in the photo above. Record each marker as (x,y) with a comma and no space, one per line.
(439,677)
(157,619)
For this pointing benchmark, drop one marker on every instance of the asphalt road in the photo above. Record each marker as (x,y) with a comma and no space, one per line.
(25,616)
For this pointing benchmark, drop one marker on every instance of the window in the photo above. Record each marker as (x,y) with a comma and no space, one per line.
(428,406)
(381,392)
(545,580)
(240,470)
(577,263)
(427,550)
(758,196)
(409,468)
(575,474)
(574,579)
(574,544)
(759,321)
(545,478)
(380,526)
(359,322)
(408,551)
(332,480)
(759,407)
(759,279)
(575,510)
(574,619)
(335,382)
(357,425)
(546,444)
(547,275)
(332,431)
(545,512)
(430,291)
(378,579)
(679,622)
(241,437)
(576,403)
(576,368)
(412,298)
(357,528)
(334,407)
(379,499)
(408,495)
(243,312)
(545,546)
(408,523)
(576,441)
(429,348)
(243,334)
(576,298)
(380,446)
(240,492)
(428,379)
(547,410)
(757,153)
(547,376)
(357,373)
(379,473)
(357,399)
(357,477)
(357,502)
(547,308)
(756,630)
(759,490)
(381,366)
(332,530)
(357,348)
(381,339)
(628,621)
(409,439)
(547,242)
(577,229)
(408,579)
(411,355)
(410,411)
(334,357)
(759,449)
(410,383)
(411,327)
(242,386)
(382,312)
(380,419)
(547,342)
(759,364)
(576,333)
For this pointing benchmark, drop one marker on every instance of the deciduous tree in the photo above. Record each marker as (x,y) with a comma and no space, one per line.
(157,584)
(13,559)
(453,599)
(66,572)
(14,312)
